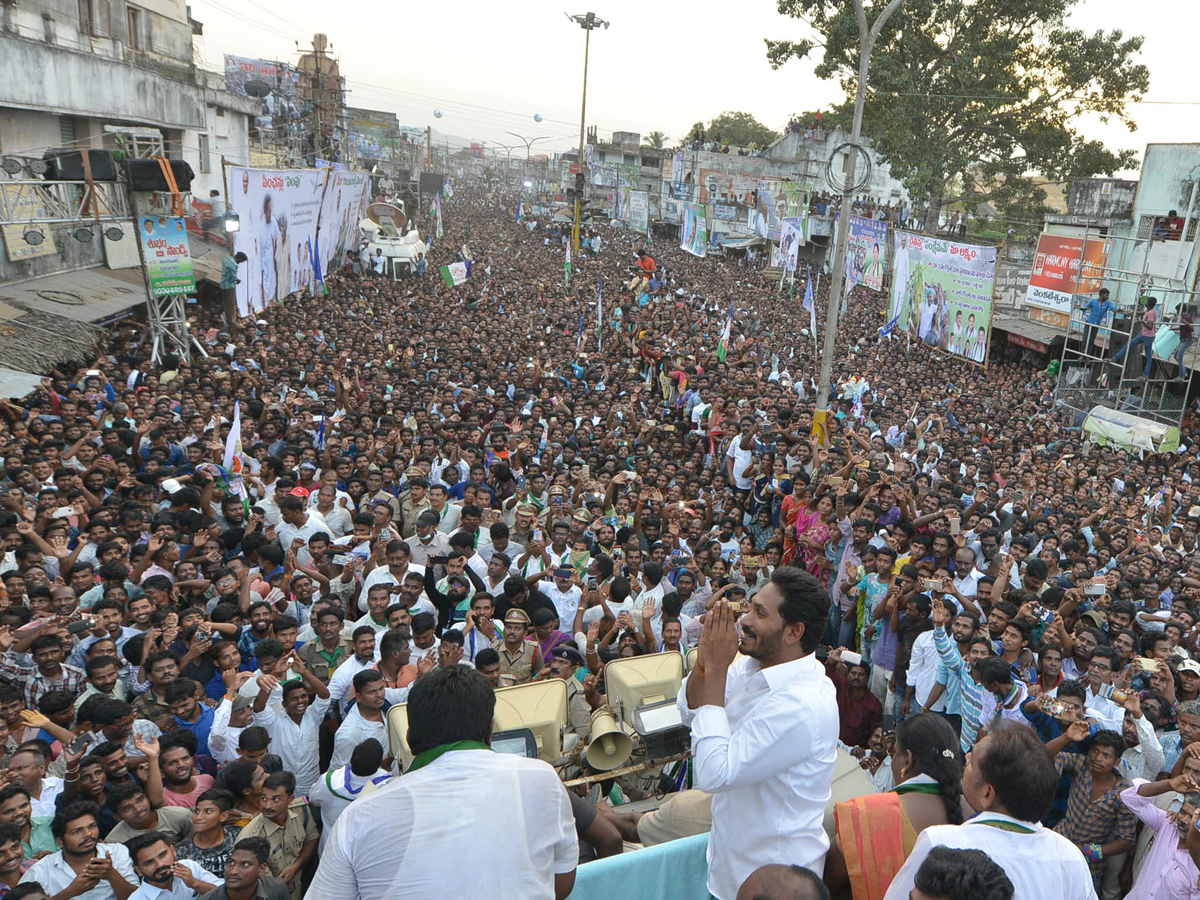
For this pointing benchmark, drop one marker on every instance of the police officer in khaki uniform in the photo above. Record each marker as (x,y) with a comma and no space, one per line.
(519,658)
(565,660)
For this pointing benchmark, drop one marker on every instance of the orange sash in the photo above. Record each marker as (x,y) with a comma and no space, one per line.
(870,831)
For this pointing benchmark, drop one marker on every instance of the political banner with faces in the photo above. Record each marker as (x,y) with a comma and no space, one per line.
(278,211)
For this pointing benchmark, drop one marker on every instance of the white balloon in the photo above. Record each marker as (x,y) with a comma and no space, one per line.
(437,113)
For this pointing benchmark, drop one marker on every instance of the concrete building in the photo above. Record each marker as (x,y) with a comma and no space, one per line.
(111,75)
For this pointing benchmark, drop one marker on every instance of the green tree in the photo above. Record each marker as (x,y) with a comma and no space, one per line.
(740,129)
(696,133)
(966,100)
(656,139)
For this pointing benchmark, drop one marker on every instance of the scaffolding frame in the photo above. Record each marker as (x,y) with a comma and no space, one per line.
(1088,376)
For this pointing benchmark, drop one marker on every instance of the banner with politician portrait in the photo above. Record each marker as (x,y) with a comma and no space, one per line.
(791,239)
(866,252)
(342,210)
(693,231)
(278,211)
(942,293)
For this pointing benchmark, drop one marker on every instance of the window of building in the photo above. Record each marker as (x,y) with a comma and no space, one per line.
(205,164)
(66,130)
(87,18)
(133,25)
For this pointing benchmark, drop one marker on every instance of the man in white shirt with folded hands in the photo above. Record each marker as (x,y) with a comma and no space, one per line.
(764,731)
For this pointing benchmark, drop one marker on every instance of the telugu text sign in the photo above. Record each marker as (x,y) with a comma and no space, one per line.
(168,259)
(1064,267)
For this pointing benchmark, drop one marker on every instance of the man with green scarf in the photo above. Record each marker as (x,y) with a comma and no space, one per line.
(456,785)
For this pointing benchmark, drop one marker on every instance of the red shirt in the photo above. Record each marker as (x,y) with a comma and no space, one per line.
(858,716)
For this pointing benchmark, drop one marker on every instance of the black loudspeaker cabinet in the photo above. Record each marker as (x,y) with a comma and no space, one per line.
(67,165)
(432,182)
(147,175)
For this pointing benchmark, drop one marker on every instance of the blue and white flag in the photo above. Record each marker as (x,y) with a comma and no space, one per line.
(520,210)
(809,304)
(885,331)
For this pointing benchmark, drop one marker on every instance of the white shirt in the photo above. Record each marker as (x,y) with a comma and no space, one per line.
(922,670)
(767,756)
(337,789)
(223,737)
(51,788)
(297,745)
(338,520)
(1146,759)
(288,534)
(1040,865)
(341,682)
(178,890)
(566,603)
(352,732)
(1104,712)
(53,873)
(741,459)
(510,816)
(1012,712)
(448,524)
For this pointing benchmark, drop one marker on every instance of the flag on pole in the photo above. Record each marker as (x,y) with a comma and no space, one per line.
(599,314)
(320,441)
(233,453)
(567,269)
(455,273)
(723,346)
(520,210)
(579,337)
(810,305)
(437,205)
(885,331)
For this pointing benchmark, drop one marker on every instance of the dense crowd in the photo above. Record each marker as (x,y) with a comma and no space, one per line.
(525,479)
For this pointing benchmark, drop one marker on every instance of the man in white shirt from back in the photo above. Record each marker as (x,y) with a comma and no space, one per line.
(764,731)
(1011,779)
(456,789)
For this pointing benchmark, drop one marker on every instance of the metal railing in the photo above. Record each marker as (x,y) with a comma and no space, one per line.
(37,202)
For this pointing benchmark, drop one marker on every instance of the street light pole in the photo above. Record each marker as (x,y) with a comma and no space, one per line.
(529,142)
(587,22)
(866,37)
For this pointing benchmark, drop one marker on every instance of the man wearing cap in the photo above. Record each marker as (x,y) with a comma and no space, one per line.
(564,663)
(427,541)
(558,506)
(520,659)
(524,523)
(564,592)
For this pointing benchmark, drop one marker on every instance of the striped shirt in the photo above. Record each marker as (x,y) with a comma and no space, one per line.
(963,696)
(1093,821)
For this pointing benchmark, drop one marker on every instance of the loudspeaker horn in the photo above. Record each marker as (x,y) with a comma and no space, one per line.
(610,747)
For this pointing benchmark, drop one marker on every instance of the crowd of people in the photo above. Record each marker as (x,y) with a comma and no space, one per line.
(446,490)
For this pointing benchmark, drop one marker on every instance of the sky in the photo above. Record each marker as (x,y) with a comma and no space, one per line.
(490,68)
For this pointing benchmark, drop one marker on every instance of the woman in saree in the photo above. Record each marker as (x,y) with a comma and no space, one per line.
(793,500)
(876,832)
(813,521)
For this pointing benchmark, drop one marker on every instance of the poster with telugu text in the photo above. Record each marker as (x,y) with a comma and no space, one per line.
(279,211)
(942,292)
(168,258)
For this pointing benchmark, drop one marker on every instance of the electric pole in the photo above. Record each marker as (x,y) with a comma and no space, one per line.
(866,37)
